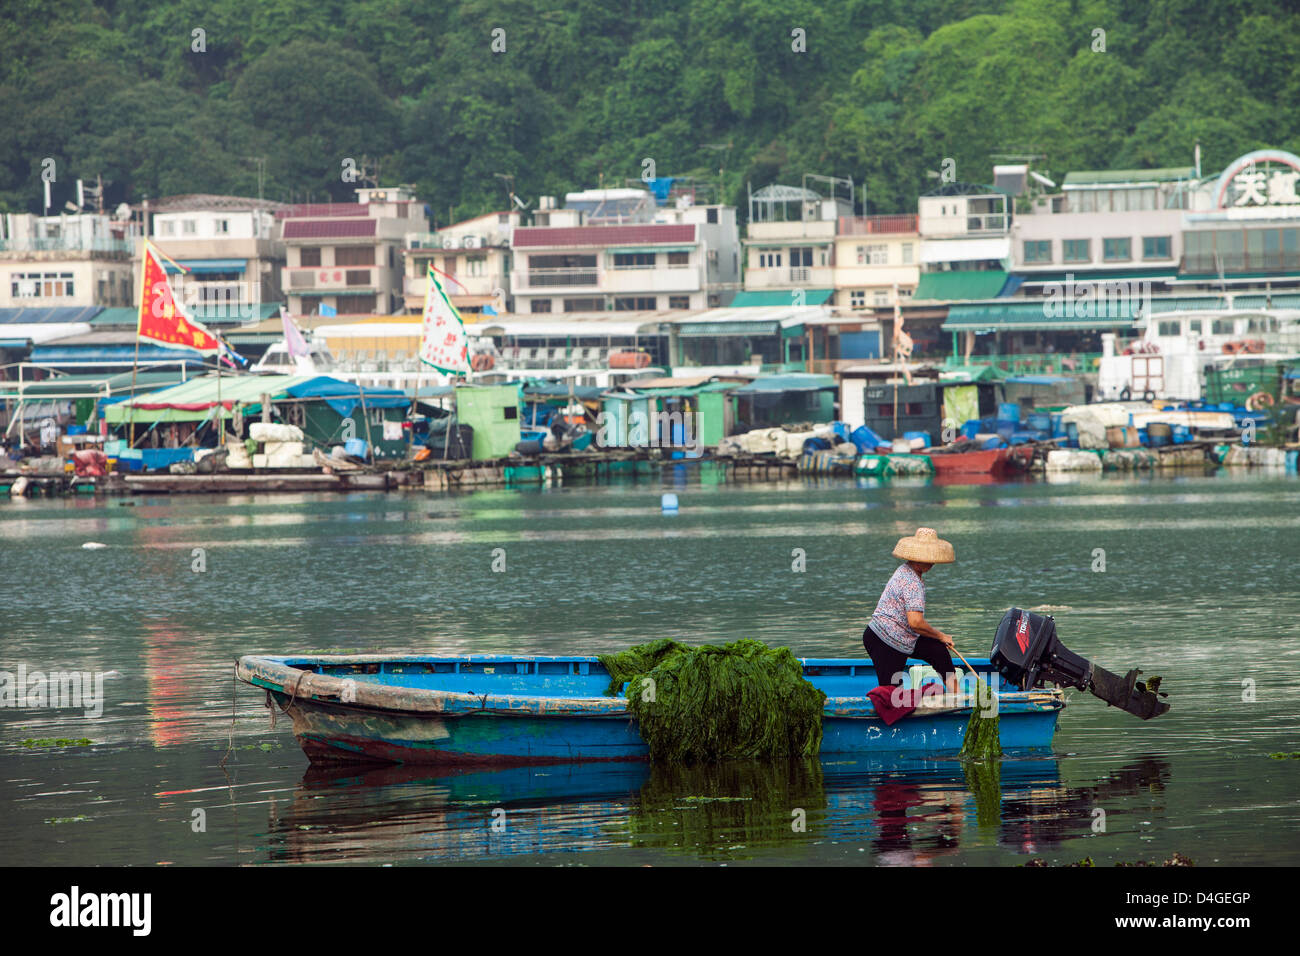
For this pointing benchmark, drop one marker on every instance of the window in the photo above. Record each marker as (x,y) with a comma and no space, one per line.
(540,305)
(309,256)
(510,412)
(354,256)
(166,227)
(858,299)
(189,227)
(1194,326)
(1116,250)
(310,304)
(712,215)
(679,302)
(1155,247)
(1169,328)
(584,305)
(800,257)
(357,277)
(41,285)
(354,304)
(634,260)
(880,297)
(677,260)
(1038,250)
(221,227)
(1076,250)
(1222,327)
(907,253)
(634,304)
(875,254)
(769,260)
(476,266)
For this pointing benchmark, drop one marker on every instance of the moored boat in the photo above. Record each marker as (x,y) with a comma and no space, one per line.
(991,461)
(516,710)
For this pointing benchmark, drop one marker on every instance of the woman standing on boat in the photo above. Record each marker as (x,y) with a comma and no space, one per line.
(898,628)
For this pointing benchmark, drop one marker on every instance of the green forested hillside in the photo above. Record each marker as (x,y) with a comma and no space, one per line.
(588,89)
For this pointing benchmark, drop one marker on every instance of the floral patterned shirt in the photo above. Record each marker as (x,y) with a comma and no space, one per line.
(904,592)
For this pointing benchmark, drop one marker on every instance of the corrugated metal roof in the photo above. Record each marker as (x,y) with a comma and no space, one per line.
(1097,177)
(561,236)
(322,210)
(194,400)
(49,315)
(795,382)
(328,228)
(1038,315)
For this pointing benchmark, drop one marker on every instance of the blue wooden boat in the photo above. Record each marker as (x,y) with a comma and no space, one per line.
(520,709)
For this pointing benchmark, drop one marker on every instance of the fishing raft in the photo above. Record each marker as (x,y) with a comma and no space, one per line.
(513,710)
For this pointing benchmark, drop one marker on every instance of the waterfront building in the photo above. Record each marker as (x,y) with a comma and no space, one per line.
(346,258)
(618,250)
(229,248)
(78,260)
(473,258)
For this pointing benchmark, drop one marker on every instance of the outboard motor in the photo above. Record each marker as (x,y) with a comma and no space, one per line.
(1027,653)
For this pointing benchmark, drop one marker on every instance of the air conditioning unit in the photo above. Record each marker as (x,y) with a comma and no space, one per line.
(471,242)
(504,242)
(449,242)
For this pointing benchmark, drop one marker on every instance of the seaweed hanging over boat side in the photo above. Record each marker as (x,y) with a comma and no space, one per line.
(708,703)
(983,740)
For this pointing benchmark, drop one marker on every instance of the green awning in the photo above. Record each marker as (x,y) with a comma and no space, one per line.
(1042,315)
(954,286)
(195,400)
(781,297)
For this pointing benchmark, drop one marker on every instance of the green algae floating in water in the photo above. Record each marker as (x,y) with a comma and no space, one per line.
(708,703)
(32,742)
(983,739)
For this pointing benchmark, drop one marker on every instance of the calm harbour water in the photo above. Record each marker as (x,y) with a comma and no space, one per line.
(1199,587)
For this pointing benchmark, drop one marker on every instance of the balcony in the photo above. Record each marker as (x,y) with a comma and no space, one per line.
(790,278)
(112,247)
(901,223)
(557,278)
(990,222)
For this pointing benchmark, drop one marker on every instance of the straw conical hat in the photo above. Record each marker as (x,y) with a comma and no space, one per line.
(926,546)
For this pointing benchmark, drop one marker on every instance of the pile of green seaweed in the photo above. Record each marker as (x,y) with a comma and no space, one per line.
(983,740)
(708,703)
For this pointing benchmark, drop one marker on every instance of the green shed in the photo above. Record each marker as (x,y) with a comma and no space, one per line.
(493,412)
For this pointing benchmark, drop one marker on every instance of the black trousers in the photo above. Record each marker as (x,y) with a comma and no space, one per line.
(891,663)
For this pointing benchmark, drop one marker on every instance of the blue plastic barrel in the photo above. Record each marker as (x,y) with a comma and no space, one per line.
(356,447)
(1072,434)
(1009,411)
(924,436)
(970,429)
(1039,422)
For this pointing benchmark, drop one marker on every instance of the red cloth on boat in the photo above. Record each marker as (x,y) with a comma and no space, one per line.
(90,463)
(893,703)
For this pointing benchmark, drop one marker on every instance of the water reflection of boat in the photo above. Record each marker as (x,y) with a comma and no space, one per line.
(902,809)
(512,709)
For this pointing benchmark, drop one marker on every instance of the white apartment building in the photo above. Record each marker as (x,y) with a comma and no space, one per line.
(874,256)
(614,250)
(473,258)
(347,257)
(82,260)
(229,247)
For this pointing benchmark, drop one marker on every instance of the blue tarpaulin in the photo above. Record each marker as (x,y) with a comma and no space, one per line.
(345,397)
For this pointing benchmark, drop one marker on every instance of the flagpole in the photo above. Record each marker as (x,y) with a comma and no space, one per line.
(135,362)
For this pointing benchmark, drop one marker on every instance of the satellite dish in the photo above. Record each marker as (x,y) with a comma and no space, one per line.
(123,211)
(519,202)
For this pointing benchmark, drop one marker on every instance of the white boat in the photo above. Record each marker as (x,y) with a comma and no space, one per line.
(1170,358)
(277,360)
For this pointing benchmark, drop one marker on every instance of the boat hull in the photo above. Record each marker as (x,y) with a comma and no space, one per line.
(993,461)
(398,721)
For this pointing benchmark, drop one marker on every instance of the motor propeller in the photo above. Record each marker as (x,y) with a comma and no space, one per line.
(1027,653)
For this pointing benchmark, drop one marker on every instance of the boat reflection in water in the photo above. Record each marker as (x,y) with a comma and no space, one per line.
(899,811)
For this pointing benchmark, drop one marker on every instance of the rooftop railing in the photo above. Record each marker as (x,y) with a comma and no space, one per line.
(68,244)
(877,225)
